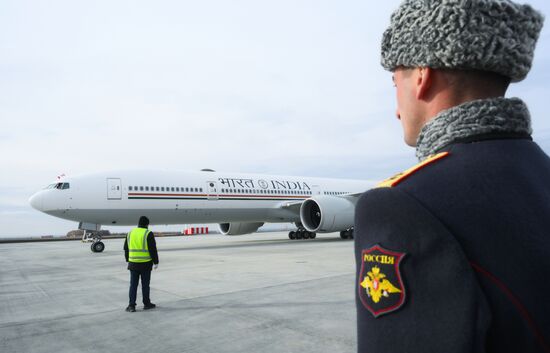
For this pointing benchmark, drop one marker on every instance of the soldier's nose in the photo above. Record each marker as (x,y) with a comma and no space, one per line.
(398,115)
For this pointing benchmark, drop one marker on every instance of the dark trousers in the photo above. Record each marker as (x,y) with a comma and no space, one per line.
(145,281)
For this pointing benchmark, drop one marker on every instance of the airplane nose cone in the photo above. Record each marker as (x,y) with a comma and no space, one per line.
(36,201)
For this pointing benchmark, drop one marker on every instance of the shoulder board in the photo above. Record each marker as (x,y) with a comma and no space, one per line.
(399,177)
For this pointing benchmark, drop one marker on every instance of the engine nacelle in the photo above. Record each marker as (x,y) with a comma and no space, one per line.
(239,228)
(325,214)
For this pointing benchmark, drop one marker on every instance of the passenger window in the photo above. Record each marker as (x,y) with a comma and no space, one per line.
(186,189)
(162,188)
(129,188)
(146,188)
(141,188)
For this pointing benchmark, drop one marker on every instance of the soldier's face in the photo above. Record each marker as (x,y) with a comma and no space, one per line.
(408,108)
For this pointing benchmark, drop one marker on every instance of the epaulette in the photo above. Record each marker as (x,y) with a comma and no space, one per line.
(399,177)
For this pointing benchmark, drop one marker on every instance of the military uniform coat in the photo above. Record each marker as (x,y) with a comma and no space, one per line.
(456,254)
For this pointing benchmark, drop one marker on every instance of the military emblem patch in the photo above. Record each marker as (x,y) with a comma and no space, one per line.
(380,286)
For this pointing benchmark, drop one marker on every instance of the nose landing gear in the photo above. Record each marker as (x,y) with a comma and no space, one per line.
(95,239)
(97,246)
(91,234)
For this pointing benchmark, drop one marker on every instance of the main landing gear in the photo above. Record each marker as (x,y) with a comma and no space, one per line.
(301,233)
(95,239)
(347,234)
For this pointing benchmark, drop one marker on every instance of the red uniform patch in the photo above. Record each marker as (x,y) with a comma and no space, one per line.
(380,286)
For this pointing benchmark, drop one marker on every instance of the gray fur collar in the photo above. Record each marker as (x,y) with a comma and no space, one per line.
(479,117)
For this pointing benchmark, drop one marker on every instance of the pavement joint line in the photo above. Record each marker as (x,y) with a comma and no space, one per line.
(182,299)
(258,288)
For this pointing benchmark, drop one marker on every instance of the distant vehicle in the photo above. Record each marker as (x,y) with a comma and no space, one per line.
(239,203)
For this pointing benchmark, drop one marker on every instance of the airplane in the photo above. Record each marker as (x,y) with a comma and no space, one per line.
(239,203)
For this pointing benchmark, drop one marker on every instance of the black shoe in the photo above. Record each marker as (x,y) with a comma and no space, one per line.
(149,306)
(131,308)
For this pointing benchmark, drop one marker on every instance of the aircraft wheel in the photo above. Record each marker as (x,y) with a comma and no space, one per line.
(344,234)
(299,234)
(292,235)
(306,235)
(98,246)
(313,235)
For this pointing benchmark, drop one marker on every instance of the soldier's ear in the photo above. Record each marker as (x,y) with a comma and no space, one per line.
(423,81)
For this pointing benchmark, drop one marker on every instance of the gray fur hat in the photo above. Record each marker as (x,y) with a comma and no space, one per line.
(487,35)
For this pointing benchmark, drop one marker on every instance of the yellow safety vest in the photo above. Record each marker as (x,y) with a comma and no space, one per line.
(137,245)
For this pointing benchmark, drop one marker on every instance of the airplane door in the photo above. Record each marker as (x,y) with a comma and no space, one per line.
(212,190)
(315,190)
(114,189)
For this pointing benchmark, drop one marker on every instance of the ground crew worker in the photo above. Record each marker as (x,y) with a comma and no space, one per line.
(140,250)
(453,255)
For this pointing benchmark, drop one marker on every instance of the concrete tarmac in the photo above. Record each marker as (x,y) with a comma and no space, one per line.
(252,293)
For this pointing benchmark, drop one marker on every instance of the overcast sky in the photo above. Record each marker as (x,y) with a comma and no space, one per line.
(288,87)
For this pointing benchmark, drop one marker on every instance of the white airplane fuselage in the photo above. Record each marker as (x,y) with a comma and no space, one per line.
(120,198)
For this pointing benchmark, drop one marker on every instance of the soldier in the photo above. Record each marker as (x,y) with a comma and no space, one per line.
(453,255)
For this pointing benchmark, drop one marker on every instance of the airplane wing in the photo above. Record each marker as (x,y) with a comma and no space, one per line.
(292,206)
(295,205)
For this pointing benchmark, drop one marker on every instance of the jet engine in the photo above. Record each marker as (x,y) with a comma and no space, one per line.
(239,228)
(325,214)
